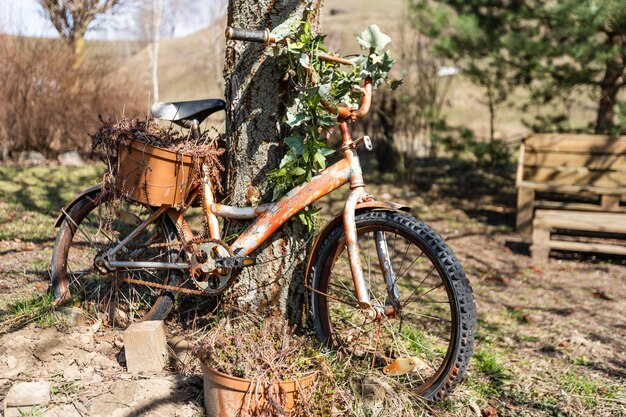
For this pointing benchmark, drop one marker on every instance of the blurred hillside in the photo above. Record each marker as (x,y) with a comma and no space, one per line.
(191,68)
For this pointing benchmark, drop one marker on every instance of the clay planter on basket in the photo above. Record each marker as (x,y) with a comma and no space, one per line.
(153,175)
(226,396)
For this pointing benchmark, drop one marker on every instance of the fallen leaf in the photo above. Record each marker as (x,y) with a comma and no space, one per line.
(490,412)
(598,293)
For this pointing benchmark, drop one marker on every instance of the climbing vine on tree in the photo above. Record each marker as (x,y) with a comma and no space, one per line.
(316,80)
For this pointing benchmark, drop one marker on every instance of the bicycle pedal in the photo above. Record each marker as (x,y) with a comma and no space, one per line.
(235,262)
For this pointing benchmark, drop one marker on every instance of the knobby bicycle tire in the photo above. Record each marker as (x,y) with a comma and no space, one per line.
(437,318)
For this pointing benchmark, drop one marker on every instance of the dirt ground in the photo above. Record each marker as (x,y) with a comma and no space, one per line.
(551,336)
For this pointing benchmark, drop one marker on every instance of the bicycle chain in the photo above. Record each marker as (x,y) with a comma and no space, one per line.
(165,287)
(197,239)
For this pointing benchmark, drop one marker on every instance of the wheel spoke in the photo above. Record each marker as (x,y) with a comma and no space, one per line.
(425,324)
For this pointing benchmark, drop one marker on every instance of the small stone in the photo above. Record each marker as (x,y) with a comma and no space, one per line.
(71,159)
(11,362)
(28,393)
(73,316)
(31,158)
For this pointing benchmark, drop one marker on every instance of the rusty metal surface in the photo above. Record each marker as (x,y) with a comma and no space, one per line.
(239,212)
(349,113)
(334,58)
(207,201)
(96,189)
(289,205)
(337,220)
(352,246)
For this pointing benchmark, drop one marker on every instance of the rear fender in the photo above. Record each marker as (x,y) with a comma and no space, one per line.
(95,190)
(338,221)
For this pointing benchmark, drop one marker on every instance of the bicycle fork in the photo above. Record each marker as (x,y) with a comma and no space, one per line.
(358,195)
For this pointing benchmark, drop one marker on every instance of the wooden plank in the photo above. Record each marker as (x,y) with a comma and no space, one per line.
(519,175)
(576,143)
(564,205)
(574,176)
(581,220)
(605,162)
(540,249)
(525,207)
(588,247)
(610,203)
(145,346)
(568,188)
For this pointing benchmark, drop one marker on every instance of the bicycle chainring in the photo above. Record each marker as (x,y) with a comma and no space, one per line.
(206,275)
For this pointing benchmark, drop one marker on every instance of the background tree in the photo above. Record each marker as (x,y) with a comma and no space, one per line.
(473,42)
(552,48)
(72,18)
(258,97)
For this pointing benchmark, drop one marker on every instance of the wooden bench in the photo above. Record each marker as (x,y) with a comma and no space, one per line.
(571,182)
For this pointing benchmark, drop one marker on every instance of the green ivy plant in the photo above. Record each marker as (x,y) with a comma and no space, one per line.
(316,79)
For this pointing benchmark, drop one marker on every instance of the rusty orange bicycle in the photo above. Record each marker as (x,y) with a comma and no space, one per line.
(384,287)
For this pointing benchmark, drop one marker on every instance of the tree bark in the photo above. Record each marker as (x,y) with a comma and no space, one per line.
(610,85)
(258,97)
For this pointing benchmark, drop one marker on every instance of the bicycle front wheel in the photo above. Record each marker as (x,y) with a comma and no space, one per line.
(87,231)
(435,315)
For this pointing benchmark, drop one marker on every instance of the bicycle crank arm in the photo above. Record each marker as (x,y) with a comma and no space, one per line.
(235,262)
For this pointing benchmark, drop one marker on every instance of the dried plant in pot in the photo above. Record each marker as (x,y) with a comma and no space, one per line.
(256,369)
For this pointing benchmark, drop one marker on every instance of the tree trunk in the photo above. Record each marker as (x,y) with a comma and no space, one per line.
(610,87)
(258,98)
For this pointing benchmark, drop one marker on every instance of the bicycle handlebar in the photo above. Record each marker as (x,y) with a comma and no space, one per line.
(250,35)
(343,112)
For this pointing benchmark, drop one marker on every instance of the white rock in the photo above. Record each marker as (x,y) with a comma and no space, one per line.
(31,158)
(28,393)
(71,159)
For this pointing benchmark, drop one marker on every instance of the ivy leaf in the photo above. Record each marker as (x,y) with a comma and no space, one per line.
(395,84)
(376,59)
(373,38)
(285,29)
(323,89)
(287,159)
(326,151)
(295,143)
(297,171)
(305,60)
(294,120)
(320,160)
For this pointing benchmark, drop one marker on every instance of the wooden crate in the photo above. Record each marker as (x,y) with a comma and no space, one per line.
(570,172)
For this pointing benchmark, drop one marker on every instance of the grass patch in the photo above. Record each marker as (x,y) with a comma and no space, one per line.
(491,365)
(590,391)
(31,198)
(37,308)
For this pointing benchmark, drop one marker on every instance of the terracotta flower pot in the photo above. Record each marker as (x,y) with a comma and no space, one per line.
(154,175)
(227,396)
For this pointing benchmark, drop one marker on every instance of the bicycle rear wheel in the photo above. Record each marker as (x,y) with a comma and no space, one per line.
(435,319)
(85,234)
